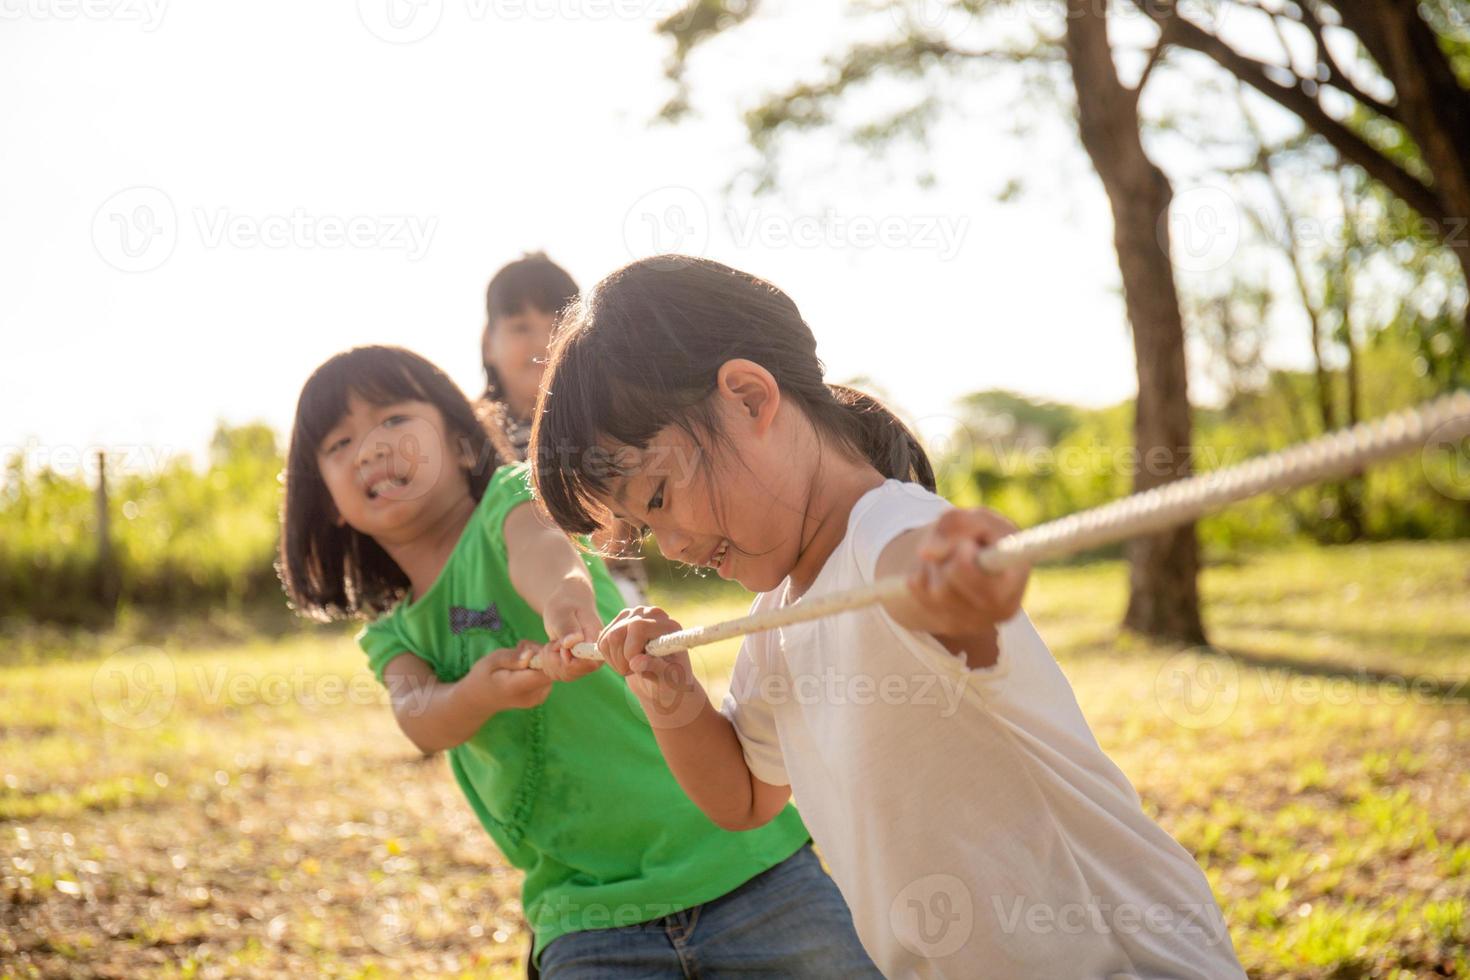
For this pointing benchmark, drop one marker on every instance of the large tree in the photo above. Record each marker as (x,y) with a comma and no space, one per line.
(1163,598)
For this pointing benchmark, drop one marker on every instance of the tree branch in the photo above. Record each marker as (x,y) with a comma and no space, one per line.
(1405,185)
(1154,57)
(1336,77)
(802,105)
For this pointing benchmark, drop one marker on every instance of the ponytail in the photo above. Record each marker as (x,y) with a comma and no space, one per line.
(874,431)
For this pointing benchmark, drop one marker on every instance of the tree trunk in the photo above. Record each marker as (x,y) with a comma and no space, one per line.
(1351,490)
(1163,597)
(106,585)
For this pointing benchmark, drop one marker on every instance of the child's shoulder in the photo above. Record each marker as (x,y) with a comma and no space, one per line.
(510,481)
(508,487)
(386,623)
(885,512)
(880,515)
(381,640)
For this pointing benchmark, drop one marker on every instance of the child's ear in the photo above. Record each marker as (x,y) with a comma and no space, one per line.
(752,388)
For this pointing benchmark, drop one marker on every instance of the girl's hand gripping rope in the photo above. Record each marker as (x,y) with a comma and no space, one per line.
(956,593)
(664,685)
(951,596)
(503,679)
(570,615)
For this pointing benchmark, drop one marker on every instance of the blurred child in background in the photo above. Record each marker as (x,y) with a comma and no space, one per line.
(521,307)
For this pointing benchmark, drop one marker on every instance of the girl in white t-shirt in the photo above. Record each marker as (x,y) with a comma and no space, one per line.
(934,747)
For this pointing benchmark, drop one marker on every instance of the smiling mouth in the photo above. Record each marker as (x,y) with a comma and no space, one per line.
(718,556)
(378,487)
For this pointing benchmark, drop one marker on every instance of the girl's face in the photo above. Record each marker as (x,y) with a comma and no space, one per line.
(515,346)
(387,466)
(743,517)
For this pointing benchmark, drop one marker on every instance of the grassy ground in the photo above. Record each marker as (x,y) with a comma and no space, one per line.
(250,808)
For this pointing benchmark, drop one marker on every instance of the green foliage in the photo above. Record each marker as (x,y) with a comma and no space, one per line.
(1090,461)
(1014,416)
(181,537)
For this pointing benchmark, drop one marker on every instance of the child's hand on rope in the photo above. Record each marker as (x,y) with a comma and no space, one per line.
(663,684)
(957,596)
(504,679)
(570,615)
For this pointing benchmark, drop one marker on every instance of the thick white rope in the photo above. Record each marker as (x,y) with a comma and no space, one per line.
(1335,454)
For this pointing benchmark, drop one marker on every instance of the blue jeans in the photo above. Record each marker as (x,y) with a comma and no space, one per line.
(787,921)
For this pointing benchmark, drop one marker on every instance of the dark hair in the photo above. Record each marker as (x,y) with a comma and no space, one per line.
(643,350)
(532,281)
(336,572)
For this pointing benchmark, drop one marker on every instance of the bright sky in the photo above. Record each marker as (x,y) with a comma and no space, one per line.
(202,201)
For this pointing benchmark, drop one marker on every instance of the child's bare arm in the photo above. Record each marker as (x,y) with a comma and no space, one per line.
(698,743)
(950,596)
(547,572)
(436,715)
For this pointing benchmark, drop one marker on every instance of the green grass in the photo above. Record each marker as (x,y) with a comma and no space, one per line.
(263,814)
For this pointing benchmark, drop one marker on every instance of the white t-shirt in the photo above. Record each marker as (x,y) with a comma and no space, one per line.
(969,817)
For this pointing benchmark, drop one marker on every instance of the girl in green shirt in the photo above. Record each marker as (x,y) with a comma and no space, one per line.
(396,511)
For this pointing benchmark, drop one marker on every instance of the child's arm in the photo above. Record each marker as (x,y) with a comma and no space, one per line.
(437,715)
(698,743)
(547,572)
(950,596)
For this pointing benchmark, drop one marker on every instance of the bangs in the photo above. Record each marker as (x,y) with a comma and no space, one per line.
(534,282)
(582,408)
(377,378)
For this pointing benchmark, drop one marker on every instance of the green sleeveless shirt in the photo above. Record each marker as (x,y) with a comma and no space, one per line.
(574,791)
